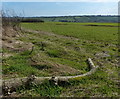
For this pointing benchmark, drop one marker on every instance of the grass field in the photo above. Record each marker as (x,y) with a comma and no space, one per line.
(78,30)
(62,49)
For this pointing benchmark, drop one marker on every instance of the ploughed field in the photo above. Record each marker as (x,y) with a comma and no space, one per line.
(61,48)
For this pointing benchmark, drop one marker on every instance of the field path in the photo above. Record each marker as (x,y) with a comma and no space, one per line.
(49,34)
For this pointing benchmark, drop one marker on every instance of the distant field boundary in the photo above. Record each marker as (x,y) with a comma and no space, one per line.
(10,85)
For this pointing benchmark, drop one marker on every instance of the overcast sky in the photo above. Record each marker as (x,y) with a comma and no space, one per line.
(55,8)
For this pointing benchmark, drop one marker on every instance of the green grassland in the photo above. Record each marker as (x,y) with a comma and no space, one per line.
(79,30)
(62,48)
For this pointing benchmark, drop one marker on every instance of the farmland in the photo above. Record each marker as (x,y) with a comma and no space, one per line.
(84,18)
(81,31)
(61,49)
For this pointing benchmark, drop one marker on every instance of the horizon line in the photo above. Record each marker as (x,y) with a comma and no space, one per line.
(70,15)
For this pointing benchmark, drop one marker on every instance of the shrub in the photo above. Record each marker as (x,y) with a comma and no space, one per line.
(10,19)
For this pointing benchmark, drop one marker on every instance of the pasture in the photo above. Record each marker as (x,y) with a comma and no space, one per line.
(61,48)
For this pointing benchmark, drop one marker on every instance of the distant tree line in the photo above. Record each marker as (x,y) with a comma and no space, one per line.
(30,20)
(84,18)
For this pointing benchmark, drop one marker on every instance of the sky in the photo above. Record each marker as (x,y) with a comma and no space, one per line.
(55,8)
(60,0)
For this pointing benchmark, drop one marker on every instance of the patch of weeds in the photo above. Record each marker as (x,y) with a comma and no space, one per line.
(20,64)
(35,42)
(45,89)
(16,63)
(25,53)
(1,50)
(78,81)
(82,66)
(69,43)
(49,90)
(91,47)
(107,91)
(54,53)
(42,45)
(4,50)
(41,67)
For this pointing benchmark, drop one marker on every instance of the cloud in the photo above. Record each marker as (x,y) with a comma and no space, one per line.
(60,0)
